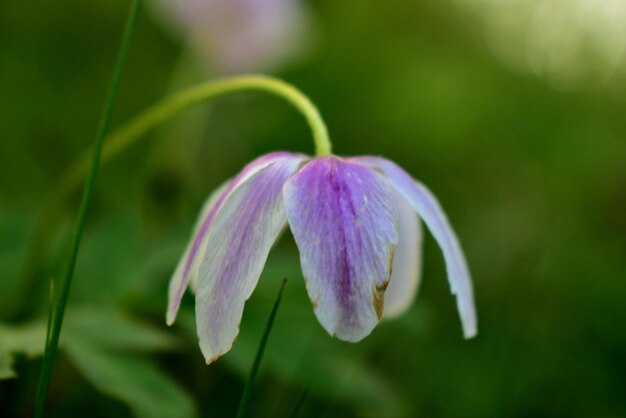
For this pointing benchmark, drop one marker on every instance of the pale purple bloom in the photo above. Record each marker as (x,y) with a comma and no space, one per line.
(236,36)
(354,221)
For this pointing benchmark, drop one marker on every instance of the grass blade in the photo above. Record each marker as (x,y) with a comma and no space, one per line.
(247,391)
(57,320)
(50,313)
(300,403)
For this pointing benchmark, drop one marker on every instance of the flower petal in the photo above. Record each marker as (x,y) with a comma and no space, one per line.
(406,270)
(187,268)
(179,282)
(430,211)
(344,220)
(234,252)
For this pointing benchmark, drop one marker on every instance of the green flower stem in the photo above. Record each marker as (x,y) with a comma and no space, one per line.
(165,109)
(129,133)
(56,322)
(247,391)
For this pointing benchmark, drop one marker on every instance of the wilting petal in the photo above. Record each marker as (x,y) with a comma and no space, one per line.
(344,220)
(429,210)
(406,271)
(234,252)
(188,266)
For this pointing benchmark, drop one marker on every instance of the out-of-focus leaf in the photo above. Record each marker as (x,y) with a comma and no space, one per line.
(107,329)
(14,230)
(115,331)
(27,339)
(108,256)
(6,366)
(131,379)
(97,342)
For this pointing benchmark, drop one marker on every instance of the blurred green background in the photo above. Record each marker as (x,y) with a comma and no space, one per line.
(529,164)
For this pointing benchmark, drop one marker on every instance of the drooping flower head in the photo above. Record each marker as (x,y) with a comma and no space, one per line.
(356,222)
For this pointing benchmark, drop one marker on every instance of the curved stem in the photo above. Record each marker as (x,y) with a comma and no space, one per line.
(168,107)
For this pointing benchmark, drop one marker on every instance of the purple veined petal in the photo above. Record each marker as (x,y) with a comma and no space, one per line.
(407,261)
(430,211)
(344,220)
(187,268)
(234,252)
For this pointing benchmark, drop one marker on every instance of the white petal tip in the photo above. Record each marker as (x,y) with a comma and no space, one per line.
(350,336)
(209,360)
(470,333)
(396,312)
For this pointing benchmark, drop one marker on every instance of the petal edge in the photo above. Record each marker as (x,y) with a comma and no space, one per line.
(430,211)
(407,262)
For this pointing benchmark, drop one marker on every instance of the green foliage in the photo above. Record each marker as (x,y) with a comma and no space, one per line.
(109,349)
(26,339)
(6,365)
(148,391)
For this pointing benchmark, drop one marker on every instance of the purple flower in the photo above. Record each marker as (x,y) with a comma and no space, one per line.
(355,220)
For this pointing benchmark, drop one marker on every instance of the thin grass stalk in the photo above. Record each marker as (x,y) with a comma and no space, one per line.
(56,323)
(247,391)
